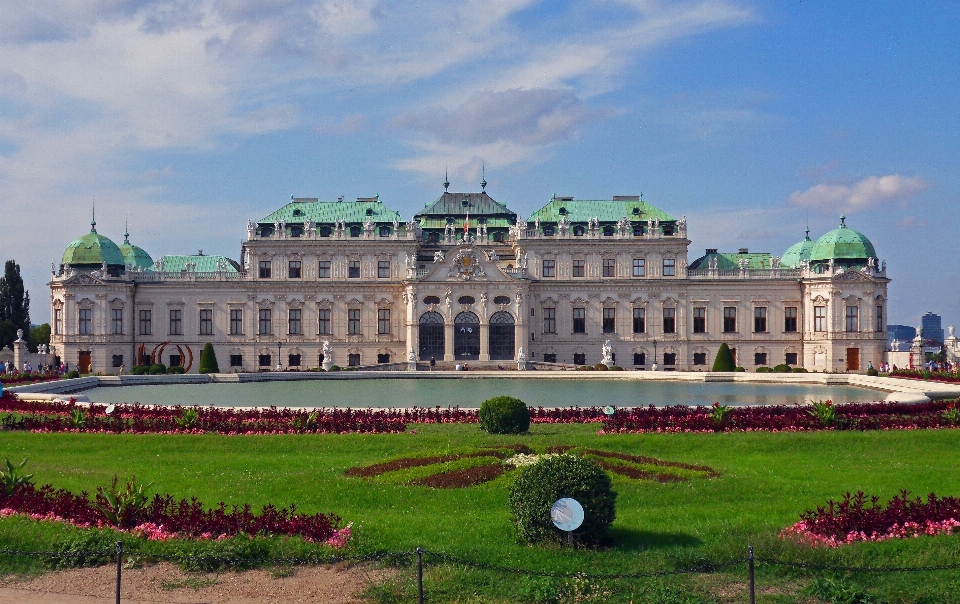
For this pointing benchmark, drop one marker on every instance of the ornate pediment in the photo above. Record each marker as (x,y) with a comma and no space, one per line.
(464,264)
(83,279)
(852,275)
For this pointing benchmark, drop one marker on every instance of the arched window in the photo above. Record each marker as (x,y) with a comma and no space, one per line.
(502,336)
(466,336)
(431,336)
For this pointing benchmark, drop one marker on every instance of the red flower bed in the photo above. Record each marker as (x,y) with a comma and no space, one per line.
(28,378)
(164,517)
(780,418)
(950,377)
(853,520)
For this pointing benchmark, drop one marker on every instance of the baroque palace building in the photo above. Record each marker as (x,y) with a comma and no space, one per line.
(466,279)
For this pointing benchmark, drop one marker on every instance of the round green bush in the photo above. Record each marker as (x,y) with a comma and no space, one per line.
(782,368)
(157,369)
(504,415)
(73,374)
(799,370)
(139,370)
(740,369)
(764,369)
(176,369)
(873,371)
(540,485)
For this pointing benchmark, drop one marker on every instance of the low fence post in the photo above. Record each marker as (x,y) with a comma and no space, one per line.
(419,575)
(119,567)
(753,594)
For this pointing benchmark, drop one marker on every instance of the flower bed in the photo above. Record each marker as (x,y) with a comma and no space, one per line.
(28,378)
(949,377)
(166,518)
(853,520)
(780,418)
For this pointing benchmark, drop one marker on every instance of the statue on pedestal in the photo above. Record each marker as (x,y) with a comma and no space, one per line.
(327,356)
(521,360)
(606,354)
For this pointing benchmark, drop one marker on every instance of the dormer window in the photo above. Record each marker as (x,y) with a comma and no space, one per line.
(325,231)
(384,231)
(355,231)
(578,231)
(369,211)
(548,231)
(298,212)
(608,231)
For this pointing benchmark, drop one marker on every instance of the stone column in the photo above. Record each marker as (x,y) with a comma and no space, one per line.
(484,340)
(20,351)
(448,333)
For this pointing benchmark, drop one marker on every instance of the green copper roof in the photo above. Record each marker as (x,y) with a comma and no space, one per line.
(92,249)
(604,210)
(492,223)
(726,261)
(843,243)
(134,256)
(797,252)
(328,212)
(478,204)
(204,264)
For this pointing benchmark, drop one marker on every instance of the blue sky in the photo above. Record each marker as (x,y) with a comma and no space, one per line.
(751,118)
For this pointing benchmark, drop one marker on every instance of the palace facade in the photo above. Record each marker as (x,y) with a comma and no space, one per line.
(466,279)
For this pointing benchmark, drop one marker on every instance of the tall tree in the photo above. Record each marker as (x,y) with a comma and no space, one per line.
(14,301)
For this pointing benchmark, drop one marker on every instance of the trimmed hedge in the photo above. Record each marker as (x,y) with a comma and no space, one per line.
(724,360)
(208,360)
(538,486)
(504,415)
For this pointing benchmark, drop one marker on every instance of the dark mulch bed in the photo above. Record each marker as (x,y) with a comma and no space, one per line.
(638,474)
(653,461)
(458,479)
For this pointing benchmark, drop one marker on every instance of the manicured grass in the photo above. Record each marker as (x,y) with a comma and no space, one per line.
(765,481)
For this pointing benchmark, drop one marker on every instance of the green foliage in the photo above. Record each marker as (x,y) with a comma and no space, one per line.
(157,369)
(14,303)
(504,415)
(838,591)
(764,369)
(799,370)
(335,368)
(175,370)
(872,371)
(600,367)
(724,360)
(824,411)
(208,360)
(38,335)
(238,553)
(718,413)
(139,370)
(78,417)
(187,419)
(537,488)
(951,414)
(782,368)
(72,374)
(122,506)
(739,369)
(82,549)
(303,422)
(13,477)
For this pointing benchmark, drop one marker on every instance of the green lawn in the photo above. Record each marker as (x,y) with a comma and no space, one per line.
(765,481)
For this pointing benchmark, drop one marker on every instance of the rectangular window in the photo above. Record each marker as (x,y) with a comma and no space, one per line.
(383,269)
(236,321)
(609,320)
(116,321)
(639,358)
(670,358)
(146,322)
(853,318)
(293,360)
(579,358)
(323,321)
(790,319)
(383,358)
(578,268)
(264,360)
(881,326)
(669,267)
(383,321)
(266,322)
(294,269)
(323,269)
(353,321)
(236,360)
(58,321)
(639,320)
(790,358)
(760,319)
(549,320)
(549,357)
(264,269)
(729,319)
(118,360)
(639,269)
(579,320)
(294,322)
(609,267)
(819,318)
(176,322)
(699,319)
(699,358)
(549,268)
(353,360)
(353,269)
(759,358)
(669,320)
(206,322)
(175,361)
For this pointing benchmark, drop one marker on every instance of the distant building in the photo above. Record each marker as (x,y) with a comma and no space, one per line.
(932,329)
(901,333)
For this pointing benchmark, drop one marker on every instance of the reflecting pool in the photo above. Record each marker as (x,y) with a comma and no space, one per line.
(364,393)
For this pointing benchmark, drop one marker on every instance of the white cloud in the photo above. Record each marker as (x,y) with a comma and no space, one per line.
(866,194)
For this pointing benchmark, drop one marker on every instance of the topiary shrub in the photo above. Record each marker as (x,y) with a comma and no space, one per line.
(724,360)
(538,486)
(208,360)
(139,370)
(872,371)
(72,374)
(504,415)
(764,369)
(600,367)
(157,369)
(335,368)
(740,369)
(175,370)
(799,370)
(782,368)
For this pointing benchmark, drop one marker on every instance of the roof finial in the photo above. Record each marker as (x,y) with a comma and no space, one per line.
(483,173)
(126,230)
(93,221)
(843,221)
(807,231)
(446,180)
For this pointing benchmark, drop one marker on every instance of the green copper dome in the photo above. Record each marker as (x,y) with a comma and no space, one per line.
(92,250)
(843,244)
(797,252)
(134,256)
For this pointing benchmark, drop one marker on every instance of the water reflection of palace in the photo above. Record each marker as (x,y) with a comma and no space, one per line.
(467,279)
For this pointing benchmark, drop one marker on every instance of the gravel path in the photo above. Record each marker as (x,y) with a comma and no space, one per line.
(166,583)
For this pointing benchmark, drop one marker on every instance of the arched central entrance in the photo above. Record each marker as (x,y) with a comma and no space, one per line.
(466,337)
(502,338)
(431,336)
